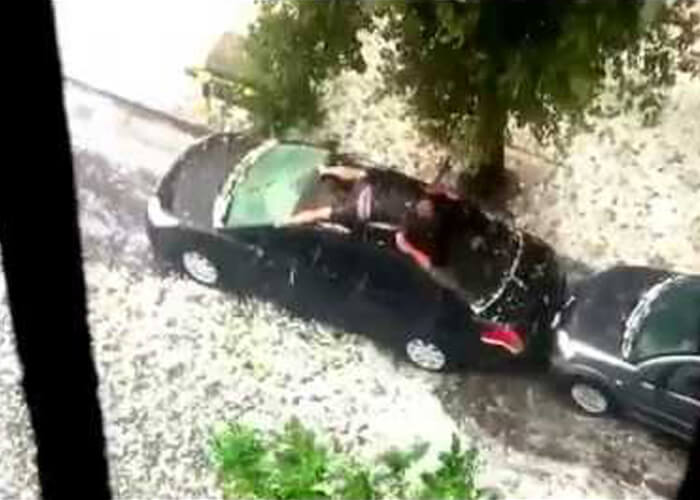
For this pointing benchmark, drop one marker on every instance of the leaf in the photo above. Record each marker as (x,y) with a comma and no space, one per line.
(581,87)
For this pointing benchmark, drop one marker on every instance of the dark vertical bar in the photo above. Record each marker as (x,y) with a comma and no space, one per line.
(43,269)
(690,486)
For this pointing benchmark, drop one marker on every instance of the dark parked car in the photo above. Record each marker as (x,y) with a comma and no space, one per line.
(628,340)
(214,217)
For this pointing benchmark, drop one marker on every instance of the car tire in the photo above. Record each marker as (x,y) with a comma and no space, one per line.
(199,267)
(591,397)
(428,354)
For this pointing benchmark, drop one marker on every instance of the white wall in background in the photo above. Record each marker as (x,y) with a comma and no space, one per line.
(138,48)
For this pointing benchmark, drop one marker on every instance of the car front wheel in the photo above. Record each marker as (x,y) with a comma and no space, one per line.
(427,354)
(590,397)
(199,267)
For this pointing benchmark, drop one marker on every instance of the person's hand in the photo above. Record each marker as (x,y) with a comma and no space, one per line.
(442,189)
(401,242)
(332,226)
(284,222)
(293,220)
(403,245)
(309,216)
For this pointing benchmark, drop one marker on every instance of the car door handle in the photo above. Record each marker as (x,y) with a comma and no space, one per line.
(648,385)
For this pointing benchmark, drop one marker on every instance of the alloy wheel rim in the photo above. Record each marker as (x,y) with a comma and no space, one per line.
(199,267)
(426,354)
(589,398)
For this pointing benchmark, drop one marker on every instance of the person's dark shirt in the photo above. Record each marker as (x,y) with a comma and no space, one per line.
(433,236)
(482,250)
(393,200)
(381,196)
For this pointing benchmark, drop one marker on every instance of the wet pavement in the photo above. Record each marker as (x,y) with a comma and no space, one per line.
(530,415)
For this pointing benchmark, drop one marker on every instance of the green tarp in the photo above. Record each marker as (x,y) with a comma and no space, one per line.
(274,184)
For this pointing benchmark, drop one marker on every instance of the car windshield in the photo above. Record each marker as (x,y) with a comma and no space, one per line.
(672,325)
(273,184)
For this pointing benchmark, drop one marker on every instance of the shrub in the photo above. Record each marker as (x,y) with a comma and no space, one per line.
(293,464)
(277,72)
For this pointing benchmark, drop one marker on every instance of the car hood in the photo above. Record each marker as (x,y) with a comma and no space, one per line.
(601,305)
(510,276)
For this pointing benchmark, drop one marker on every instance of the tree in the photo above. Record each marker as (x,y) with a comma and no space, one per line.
(277,72)
(473,70)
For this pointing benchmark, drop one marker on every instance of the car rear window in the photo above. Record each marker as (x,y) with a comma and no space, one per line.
(274,184)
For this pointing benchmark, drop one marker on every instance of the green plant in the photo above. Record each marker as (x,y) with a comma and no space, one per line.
(455,478)
(396,463)
(286,465)
(239,453)
(276,72)
(292,464)
(472,72)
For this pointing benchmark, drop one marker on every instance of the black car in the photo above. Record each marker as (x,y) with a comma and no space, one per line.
(628,341)
(215,217)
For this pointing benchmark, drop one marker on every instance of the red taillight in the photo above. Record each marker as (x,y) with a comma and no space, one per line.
(504,337)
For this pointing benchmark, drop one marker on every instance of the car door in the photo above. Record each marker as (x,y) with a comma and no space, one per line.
(354,282)
(316,268)
(332,269)
(392,295)
(680,398)
(261,271)
(641,396)
(661,394)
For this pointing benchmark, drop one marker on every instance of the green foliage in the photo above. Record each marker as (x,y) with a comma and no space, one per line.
(239,453)
(455,478)
(292,48)
(466,67)
(470,70)
(396,464)
(294,465)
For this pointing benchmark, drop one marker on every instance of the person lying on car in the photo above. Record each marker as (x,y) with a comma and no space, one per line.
(417,213)
(373,195)
(426,236)
(421,216)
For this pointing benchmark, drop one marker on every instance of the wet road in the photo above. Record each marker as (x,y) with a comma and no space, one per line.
(119,155)
(529,415)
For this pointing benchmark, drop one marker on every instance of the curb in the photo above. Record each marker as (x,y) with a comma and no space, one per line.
(192,128)
(198,129)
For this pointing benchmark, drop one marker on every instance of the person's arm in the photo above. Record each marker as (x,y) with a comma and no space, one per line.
(439,274)
(383,225)
(342,172)
(421,258)
(309,216)
(444,190)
